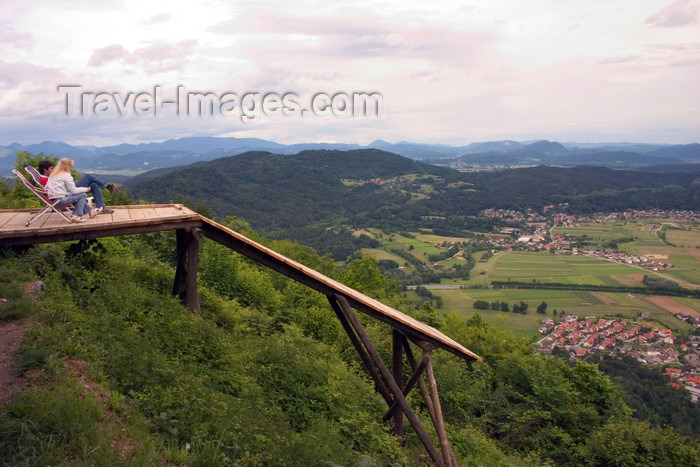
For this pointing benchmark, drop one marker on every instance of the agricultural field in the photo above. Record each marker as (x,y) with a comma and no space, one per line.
(382,254)
(580,303)
(681,248)
(421,246)
(596,233)
(544,267)
(686,239)
(549,268)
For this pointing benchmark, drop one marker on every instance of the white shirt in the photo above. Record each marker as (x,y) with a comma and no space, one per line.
(63,185)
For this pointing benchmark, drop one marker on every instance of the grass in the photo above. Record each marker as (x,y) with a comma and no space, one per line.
(423,245)
(381,254)
(58,419)
(597,233)
(685,267)
(684,238)
(16,306)
(62,423)
(238,385)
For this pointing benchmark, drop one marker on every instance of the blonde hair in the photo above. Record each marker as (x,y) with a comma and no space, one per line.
(64,166)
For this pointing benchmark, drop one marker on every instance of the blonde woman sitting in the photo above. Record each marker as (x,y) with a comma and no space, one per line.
(61,185)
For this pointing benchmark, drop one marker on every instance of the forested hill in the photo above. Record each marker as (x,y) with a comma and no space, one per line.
(273,190)
(289,192)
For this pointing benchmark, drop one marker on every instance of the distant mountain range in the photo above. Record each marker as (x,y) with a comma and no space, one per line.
(475,156)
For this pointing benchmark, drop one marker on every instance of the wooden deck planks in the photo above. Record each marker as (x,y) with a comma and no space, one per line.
(136,214)
(17,222)
(7,218)
(101,219)
(168,212)
(50,221)
(120,215)
(151,214)
(50,227)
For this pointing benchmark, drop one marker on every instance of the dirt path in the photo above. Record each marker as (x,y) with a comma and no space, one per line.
(11,333)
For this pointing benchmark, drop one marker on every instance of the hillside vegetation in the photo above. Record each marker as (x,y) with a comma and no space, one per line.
(123,374)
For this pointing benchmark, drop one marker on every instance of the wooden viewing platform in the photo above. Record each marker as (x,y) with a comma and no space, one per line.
(190,228)
(124,220)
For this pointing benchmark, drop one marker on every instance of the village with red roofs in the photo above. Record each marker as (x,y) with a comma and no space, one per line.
(589,336)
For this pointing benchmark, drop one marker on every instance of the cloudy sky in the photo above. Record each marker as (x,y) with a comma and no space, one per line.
(449,72)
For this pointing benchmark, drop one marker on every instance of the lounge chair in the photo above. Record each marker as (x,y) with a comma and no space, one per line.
(49,205)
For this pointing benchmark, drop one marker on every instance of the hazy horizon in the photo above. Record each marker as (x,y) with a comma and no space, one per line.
(404,141)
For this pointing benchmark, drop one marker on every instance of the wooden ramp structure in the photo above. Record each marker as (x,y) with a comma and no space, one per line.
(190,228)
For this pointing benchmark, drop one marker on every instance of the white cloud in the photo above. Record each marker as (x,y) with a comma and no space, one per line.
(676,14)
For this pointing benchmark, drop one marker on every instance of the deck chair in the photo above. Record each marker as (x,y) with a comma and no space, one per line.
(36,176)
(50,205)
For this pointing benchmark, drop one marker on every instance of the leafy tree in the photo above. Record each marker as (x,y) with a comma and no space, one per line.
(385,264)
(234,277)
(429,316)
(363,274)
(25,158)
(542,308)
(647,392)
(629,442)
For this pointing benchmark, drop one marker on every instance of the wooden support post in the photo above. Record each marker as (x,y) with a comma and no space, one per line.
(181,267)
(187,251)
(386,374)
(439,421)
(415,377)
(378,383)
(191,290)
(397,369)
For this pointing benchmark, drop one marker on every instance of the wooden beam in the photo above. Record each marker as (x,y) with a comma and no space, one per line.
(439,421)
(378,382)
(329,287)
(421,383)
(397,369)
(395,389)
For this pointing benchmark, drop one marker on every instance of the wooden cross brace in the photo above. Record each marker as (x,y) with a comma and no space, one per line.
(390,385)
